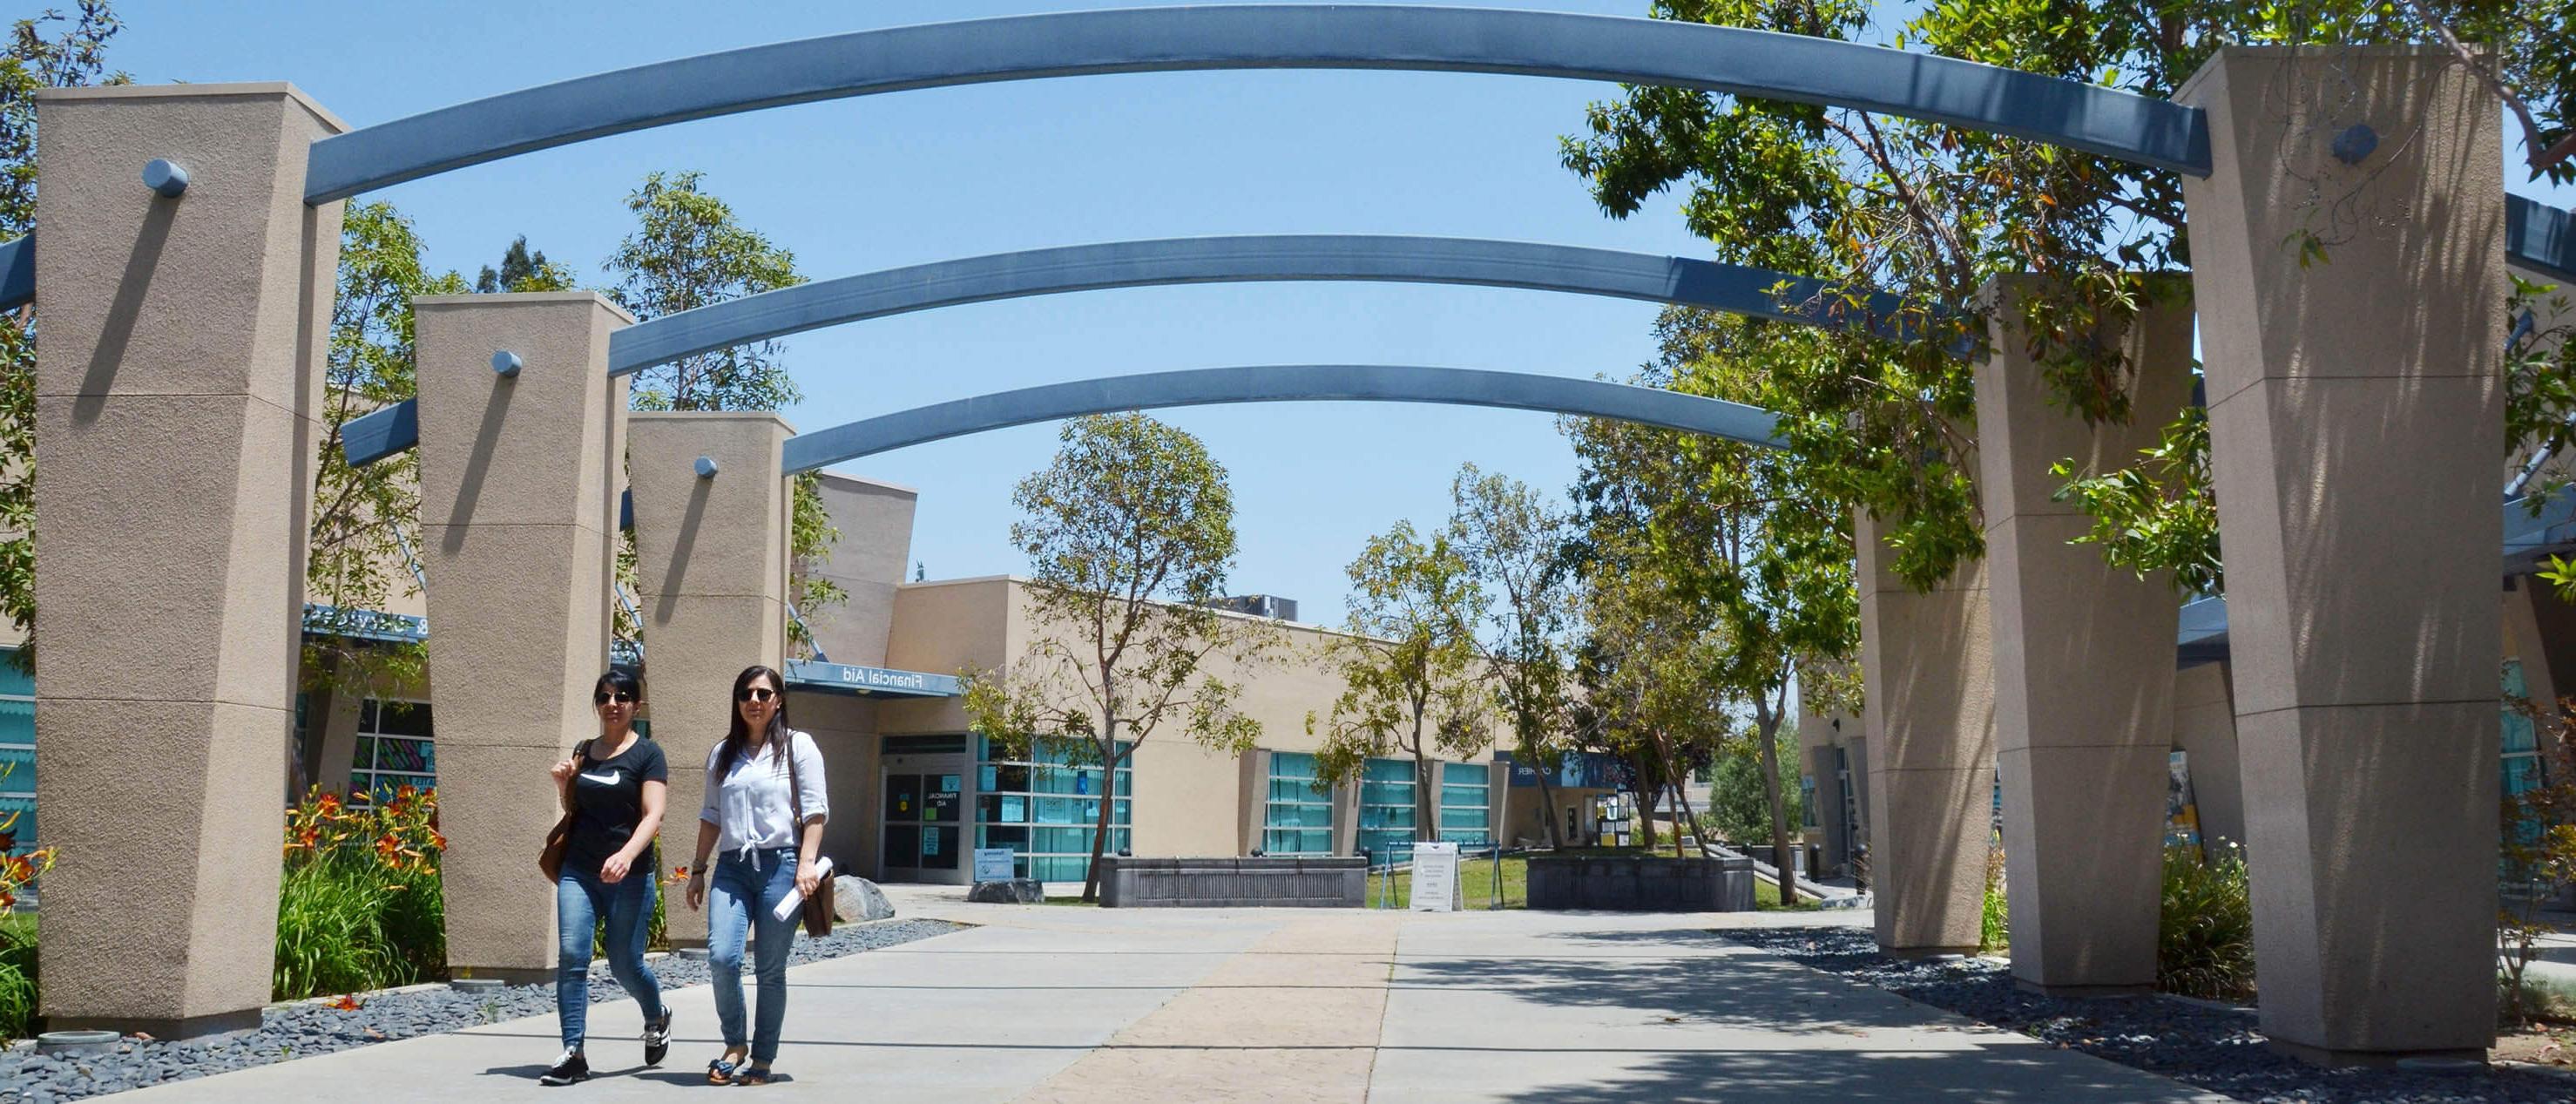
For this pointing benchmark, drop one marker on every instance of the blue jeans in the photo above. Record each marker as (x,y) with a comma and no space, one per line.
(580,899)
(742,894)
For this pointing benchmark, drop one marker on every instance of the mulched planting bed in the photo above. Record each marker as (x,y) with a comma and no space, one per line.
(2213,1048)
(306,1029)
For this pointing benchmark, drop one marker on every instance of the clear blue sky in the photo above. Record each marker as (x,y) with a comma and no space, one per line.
(857,185)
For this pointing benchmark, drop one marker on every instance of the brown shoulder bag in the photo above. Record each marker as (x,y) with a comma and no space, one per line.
(818,904)
(550,858)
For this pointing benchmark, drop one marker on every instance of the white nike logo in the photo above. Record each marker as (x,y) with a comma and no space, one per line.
(609,779)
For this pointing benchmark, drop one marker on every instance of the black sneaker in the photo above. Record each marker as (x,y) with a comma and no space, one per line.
(657,1037)
(568,1069)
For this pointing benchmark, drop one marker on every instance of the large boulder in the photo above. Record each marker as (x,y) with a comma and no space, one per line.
(1017,891)
(857,899)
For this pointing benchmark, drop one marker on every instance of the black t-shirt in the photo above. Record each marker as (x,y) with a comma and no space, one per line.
(608,802)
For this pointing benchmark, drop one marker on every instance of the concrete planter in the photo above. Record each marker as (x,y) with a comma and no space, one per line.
(1233,883)
(1637,883)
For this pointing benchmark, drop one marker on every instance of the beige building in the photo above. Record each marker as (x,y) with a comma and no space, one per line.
(914,793)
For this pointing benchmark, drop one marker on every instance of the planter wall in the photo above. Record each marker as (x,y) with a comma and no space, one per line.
(1233,882)
(1625,883)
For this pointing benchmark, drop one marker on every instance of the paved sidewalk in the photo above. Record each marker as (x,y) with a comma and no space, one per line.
(1047,1003)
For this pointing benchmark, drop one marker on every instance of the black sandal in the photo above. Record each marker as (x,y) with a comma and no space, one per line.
(756,1075)
(721,1072)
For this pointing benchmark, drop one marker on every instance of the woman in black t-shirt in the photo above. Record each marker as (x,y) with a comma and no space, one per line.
(614,787)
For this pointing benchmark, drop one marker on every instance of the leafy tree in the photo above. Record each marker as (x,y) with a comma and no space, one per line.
(1129,534)
(1929,213)
(1747,554)
(75,55)
(1409,665)
(365,518)
(523,271)
(1513,543)
(689,251)
(1644,664)
(1739,796)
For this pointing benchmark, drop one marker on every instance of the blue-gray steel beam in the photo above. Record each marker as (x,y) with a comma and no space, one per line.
(375,435)
(17,272)
(1728,60)
(2540,237)
(1283,383)
(1732,289)
(1729,288)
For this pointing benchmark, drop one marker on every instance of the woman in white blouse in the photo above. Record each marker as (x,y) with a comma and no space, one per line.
(764,815)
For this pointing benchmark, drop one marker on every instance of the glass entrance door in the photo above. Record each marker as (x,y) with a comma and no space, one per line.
(921,825)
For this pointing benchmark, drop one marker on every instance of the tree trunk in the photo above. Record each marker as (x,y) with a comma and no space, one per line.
(1688,816)
(1547,810)
(1100,824)
(1767,725)
(1647,793)
(1426,800)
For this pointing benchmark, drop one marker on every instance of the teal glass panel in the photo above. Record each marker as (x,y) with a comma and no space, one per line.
(12,680)
(2519,734)
(17,769)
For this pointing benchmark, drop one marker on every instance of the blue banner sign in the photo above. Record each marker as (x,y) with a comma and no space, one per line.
(1579,770)
(871,680)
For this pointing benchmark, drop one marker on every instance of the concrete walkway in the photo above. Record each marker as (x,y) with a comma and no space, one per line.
(1044,1003)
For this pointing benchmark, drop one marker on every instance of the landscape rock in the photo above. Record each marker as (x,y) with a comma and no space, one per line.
(1017,891)
(856,899)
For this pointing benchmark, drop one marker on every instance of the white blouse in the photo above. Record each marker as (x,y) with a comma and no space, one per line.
(750,805)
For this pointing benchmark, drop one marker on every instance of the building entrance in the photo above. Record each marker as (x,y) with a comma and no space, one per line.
(920,828)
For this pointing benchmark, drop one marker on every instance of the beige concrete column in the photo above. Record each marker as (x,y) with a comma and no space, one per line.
(1926,659)
(2084,663)
(711,561)
(2205,731)
(176,392)
(2356,414)
(518,517)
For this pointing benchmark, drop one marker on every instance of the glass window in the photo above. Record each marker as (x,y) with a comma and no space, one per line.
(1465,809)
(393,749)
(1386,806)
(2522,771)
(17,753)
(1299,817)
(1044,808)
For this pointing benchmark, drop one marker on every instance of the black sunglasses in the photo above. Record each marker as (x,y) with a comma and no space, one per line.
(603,697)
(754,693)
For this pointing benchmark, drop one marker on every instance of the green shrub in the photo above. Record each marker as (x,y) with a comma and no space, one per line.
(359,903)
(2205,926)
(1995,922)
(17,975)
(330,933)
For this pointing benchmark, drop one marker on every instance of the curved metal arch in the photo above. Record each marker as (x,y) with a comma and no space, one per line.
(1282,383)
(1727,60)
(1732,289)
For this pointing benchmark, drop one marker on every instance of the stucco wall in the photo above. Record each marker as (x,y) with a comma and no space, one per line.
(868,562)
(2205,730)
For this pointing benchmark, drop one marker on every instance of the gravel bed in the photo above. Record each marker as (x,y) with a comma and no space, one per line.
(305,1029)
(2206,1046)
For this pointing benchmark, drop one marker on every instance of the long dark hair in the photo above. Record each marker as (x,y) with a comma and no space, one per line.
(737,742)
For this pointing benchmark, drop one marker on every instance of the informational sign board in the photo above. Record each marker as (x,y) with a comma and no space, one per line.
(993,864)
(1435,877)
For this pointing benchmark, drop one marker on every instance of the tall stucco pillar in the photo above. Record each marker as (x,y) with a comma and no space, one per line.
(2084,662)
(176,393)
(2205,733)
(1926,660)
(2356,414)
(711,562)
(518,516)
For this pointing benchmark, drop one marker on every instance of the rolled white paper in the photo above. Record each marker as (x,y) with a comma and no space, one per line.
(795,898)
